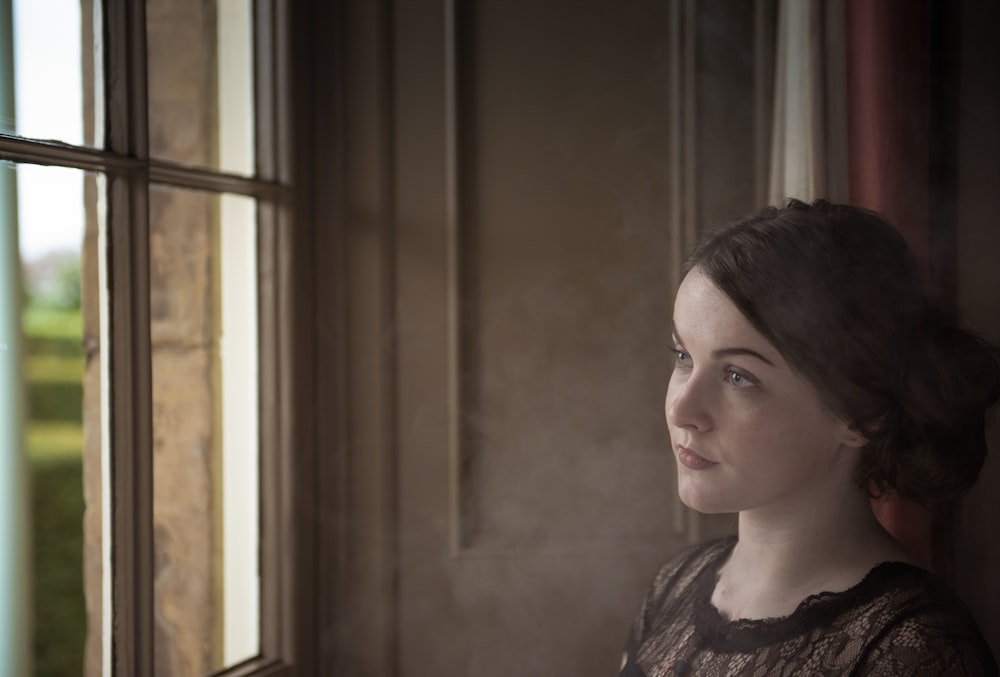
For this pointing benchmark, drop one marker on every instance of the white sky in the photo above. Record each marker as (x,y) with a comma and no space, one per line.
(48,105)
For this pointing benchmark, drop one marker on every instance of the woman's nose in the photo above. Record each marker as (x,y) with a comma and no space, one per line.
(686,405)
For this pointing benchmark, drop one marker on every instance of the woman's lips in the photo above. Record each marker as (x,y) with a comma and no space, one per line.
(693,460)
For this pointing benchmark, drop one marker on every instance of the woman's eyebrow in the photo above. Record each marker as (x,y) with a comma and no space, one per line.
(726,352)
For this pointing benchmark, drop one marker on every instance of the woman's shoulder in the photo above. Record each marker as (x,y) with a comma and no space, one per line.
(932,642)
(923,628)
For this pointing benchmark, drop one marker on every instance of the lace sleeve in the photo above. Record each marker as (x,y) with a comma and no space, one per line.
(637,633)
(923,645)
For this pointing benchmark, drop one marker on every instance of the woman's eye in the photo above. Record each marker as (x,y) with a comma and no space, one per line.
(739,380)
(681,359)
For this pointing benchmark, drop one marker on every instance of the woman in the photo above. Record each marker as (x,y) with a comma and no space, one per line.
(811,374)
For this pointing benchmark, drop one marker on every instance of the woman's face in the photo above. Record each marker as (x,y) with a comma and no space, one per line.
(748,432)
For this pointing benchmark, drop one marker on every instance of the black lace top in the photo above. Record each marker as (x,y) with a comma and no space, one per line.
(899,620)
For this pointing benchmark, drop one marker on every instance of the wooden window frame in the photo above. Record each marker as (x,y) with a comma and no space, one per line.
(287,454)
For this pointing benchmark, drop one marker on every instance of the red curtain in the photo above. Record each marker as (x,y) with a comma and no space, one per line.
(888,118)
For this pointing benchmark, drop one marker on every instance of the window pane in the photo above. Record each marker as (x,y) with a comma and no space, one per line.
(205,429)
(59,228)
(54,71)
(201,94)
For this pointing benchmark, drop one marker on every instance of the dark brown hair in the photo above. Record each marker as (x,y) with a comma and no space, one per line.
(837,291)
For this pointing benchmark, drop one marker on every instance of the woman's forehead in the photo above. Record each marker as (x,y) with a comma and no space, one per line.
(705,313)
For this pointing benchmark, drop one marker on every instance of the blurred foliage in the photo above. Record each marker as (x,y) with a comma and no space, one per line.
(57,545)
(49,368)
(66,346)
(55,400)
(53,323)
(60,288)
(54,374)
(54,365)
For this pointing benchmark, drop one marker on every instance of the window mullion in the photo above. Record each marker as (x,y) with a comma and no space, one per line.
(127,108)
(265,106)
(279,538)
(131,455)
(131,428)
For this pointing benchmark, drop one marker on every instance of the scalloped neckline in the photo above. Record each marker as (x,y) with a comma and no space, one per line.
(813,611)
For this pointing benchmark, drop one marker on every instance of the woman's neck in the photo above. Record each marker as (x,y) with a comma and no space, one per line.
(782,558)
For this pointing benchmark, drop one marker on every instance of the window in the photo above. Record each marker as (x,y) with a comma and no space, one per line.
(171,128)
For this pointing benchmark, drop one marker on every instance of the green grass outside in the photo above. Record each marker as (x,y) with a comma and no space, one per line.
(54,369)
(55,401)
(60,618)
(52,323)
(54,441)
(54,437)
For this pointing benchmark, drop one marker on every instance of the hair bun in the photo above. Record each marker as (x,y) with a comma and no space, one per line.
(951,379)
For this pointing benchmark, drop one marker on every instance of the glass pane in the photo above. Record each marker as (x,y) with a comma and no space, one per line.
(205,429)
(57,234)
(55,69)
(201,95)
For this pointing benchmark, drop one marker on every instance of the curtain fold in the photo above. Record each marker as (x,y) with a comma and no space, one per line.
(888,136)
(809,132)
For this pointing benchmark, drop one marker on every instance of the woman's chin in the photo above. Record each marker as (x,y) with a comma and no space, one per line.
(699,501)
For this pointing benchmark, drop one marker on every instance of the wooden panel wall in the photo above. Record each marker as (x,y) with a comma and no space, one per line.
(520,181)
